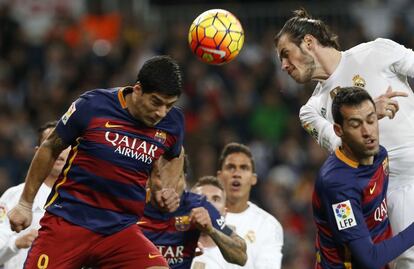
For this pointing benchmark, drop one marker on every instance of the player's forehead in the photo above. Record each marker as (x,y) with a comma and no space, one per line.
(166,99)
(237,158)
(284,43)
(362,111)
(210,190)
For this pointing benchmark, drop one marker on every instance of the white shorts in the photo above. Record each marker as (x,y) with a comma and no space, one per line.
(400,200)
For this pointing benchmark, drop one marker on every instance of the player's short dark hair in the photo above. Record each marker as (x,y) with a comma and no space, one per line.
(348,96)
(235,148)
(42,128)
(209,180)
(302,24)
(161,74)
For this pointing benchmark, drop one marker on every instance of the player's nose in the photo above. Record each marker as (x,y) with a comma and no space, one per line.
(161,112)
(285,64)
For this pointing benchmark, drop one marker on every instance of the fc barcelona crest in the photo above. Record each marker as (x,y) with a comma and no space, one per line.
(160,136)
(182,223)
(385,166)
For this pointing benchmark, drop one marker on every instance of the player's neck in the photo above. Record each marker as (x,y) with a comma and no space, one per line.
(327,60)
(130,107)
(206,241)
(366,160)
(237,205)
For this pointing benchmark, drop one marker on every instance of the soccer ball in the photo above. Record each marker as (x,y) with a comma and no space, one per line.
(216,36)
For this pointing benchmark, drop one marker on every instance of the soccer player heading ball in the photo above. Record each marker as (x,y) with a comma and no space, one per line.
(117,136)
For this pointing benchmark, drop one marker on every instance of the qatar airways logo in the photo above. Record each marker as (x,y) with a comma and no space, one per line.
(381,212)
(173,254)
(132,147)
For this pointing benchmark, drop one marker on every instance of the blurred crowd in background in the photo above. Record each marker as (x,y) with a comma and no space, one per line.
(51,51)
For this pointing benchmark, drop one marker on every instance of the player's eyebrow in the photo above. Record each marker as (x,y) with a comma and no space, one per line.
(282,54)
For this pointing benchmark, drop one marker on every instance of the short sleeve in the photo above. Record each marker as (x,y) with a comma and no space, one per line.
(344,210)
(217,220)
(175,150)
(74,122)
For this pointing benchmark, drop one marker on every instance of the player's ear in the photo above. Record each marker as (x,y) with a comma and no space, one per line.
(309,41)
(137,88)
(254,179)
(338,130)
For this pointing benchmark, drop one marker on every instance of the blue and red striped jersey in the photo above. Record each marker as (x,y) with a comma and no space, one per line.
(102,186)
(173,234)
(349,203)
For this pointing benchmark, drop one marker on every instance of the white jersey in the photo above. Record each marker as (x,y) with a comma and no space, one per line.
(10,256)
(373,66)
(263,235)
(210,259)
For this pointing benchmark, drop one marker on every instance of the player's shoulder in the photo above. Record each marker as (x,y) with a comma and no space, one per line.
(261,214)
(175,115)
(98,95)
(12,193)
(333,172)
(379,45)
(382,154)
(173,122)
(15,189)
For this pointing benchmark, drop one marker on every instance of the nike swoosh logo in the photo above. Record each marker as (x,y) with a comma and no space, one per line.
(108,125)
(371,190)
(218,52)
(153,256)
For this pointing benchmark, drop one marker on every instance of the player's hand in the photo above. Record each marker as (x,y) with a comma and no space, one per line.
(167,199)
(200,217)
(20,216)
(26,240)
(386,106)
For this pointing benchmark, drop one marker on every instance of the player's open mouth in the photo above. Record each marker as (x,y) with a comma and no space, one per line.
(370,142)
(235,185)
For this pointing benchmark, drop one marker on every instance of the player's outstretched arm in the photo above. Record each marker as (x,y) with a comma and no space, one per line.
(232,246)
(370,255)
(21,215)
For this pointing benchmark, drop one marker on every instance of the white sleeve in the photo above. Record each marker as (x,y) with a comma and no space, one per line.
(269,252)
(401,59)
(317,126)
(8,247)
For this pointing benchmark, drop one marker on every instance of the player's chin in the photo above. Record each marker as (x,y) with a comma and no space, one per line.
(371,151)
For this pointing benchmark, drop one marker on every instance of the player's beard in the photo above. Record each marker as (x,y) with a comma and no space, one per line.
(309,67)
(360,151)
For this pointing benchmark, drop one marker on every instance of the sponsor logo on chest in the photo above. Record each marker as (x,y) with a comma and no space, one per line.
(134,148)
(381,212)
(173,254)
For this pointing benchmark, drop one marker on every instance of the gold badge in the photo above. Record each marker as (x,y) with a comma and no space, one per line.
(358,81)
(160,136)
(3,213)
(250,236)
(334,92)
(182,223)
